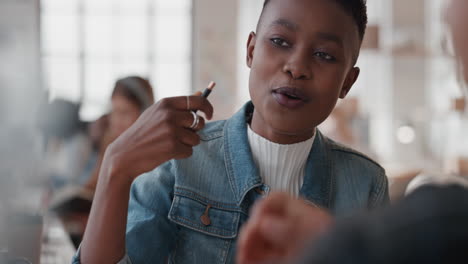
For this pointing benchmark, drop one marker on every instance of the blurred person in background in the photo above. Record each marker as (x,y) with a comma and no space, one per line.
(131,96)
(428,226)
(96,132)
(70,152)
(66,144)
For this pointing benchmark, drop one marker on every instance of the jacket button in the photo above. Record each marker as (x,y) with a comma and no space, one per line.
(259,191)
(205,218)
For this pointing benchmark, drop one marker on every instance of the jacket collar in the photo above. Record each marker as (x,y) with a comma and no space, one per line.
(318,186)
(244,175)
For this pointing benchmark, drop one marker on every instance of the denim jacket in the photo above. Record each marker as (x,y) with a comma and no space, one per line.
(191,211)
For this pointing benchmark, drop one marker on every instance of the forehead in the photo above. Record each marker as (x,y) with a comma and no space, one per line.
(311,17)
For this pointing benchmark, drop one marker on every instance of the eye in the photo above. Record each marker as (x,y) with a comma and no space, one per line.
(325,56)
(279,42)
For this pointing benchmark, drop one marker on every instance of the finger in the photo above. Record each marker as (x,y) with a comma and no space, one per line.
(183,151)
(282,230)
(189,103)
(187,119)
(252,247)
(198,93)
(188,137)
(275,203)
(202,104)
(243,249)
(263,221)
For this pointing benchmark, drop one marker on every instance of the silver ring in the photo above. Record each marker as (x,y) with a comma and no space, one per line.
(196,120)
(188,103)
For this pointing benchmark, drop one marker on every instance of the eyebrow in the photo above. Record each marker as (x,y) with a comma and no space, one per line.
(295,27)
(285,23)
(330,37)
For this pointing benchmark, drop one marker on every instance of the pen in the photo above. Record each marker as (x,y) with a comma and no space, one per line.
(208,90)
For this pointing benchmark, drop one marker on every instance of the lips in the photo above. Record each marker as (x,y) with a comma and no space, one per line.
(290,97)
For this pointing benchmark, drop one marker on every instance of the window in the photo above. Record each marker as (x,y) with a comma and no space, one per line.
(87,45)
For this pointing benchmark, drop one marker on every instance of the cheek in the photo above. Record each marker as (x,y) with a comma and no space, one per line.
(266,68)
(327,89)
(266,61)
(262,74)
(329,82)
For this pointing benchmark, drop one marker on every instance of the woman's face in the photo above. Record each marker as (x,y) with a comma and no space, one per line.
(458,23)
(124,114)
(301,62)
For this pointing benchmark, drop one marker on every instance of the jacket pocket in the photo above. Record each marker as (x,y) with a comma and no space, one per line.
(199,214)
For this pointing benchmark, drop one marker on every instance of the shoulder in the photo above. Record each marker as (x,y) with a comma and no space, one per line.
(148,184)
(349,154)
(212,130)
(356,170)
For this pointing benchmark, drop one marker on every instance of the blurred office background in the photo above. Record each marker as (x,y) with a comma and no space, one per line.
(406,110)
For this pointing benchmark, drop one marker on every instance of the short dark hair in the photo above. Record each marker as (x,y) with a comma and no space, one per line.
(356,8)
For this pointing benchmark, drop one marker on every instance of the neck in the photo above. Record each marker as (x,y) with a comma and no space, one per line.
(277,135)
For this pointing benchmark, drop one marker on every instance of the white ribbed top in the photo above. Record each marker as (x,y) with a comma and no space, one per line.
(282,167)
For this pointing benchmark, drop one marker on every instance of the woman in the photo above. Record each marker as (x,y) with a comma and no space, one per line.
(130,97)
(428,226)
(200,181)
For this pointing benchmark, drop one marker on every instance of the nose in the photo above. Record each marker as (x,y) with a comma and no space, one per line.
(297,66)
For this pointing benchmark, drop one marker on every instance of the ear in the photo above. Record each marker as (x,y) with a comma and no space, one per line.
(351,78)
(250,48)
